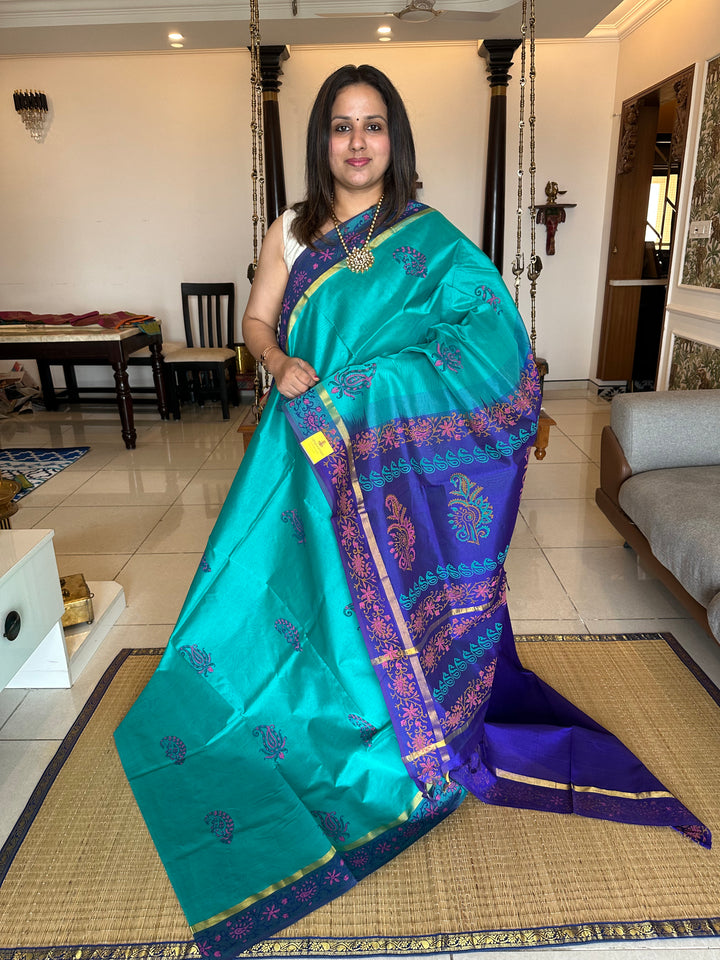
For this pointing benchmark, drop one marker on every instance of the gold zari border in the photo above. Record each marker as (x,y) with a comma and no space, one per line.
(553,785)
(426,944)
(342,265)
(249,901)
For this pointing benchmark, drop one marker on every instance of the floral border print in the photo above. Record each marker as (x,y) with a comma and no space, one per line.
(702,254)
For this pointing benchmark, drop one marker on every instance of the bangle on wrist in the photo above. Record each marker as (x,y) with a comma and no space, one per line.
(263,356)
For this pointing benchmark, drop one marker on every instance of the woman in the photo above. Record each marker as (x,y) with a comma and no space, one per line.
(343,669)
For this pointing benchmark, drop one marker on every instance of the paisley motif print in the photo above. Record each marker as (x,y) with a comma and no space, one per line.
(221,825)
(470,514)
(290,632)
(488,297)
(204,565)
(446,358)
(401,532)
(174,748)
(367,730)
(291,517)
(199,659)
(348,384)
(333,826)
(273,742)
(412,261)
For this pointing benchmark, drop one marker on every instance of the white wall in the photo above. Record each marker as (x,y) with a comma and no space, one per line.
(574,106)
(682,33)
(143,180)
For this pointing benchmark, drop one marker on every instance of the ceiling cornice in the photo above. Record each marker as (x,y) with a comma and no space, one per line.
(626,18)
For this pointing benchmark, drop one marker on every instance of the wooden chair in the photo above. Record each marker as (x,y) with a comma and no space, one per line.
(202,369)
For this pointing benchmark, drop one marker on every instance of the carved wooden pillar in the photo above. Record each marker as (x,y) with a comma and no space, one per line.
(271,59)
(498,54)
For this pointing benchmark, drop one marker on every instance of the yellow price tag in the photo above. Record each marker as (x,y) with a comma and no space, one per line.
(317,447)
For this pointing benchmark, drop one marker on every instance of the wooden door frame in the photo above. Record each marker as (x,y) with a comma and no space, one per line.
(636,146)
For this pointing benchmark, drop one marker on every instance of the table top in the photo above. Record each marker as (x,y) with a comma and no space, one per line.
(17,546)
(29,333)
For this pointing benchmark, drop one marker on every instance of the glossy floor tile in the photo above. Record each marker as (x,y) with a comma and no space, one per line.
(142,517)
(568,523)
(129,487)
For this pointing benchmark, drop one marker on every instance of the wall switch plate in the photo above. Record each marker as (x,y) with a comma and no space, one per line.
(700,229)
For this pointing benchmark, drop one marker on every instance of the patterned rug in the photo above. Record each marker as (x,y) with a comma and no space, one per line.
(80,878)
(30,468)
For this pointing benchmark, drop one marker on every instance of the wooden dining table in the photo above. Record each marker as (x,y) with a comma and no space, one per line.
(64,343)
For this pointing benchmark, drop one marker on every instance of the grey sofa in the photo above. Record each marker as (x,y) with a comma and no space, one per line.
(660,487)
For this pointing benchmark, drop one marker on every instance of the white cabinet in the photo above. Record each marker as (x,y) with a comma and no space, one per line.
(31,607)
(35,651)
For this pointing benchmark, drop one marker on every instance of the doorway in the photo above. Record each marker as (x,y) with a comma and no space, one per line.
(653,132)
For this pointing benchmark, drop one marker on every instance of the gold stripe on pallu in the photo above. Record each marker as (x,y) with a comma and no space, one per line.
(249,901)
(400,623)
(299,874)
(576,788)
(388,826)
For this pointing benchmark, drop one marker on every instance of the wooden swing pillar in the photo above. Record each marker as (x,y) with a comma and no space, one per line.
(271,60)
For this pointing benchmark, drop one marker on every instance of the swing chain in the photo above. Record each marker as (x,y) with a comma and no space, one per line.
(519,261)
(257,134)
(257,173)
(535,265)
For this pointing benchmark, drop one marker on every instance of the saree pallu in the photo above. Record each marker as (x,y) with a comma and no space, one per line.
(343,670)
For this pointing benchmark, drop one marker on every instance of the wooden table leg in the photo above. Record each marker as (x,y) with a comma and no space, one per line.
(46,382)
(125,404)
(543,435)
(158,370)
(71,386)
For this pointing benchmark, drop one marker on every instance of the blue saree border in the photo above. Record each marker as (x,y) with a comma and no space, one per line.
(679,928)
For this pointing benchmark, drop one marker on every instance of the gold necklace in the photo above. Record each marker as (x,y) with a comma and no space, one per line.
(359,259)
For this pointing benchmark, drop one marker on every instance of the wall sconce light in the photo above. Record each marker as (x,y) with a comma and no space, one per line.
(552,214)
(33,109)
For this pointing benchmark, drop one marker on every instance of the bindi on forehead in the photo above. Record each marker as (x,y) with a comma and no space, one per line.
(370,116)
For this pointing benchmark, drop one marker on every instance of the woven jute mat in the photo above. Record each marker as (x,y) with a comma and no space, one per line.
(83,880)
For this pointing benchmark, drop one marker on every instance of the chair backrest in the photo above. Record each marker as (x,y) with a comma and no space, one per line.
(204,306)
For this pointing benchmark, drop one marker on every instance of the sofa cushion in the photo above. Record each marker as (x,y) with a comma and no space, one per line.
(678,511)
(714,616)
(677,428)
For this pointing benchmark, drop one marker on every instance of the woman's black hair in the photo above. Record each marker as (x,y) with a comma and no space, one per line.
(400,177)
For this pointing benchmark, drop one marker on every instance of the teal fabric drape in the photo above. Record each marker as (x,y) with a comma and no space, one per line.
(323,699)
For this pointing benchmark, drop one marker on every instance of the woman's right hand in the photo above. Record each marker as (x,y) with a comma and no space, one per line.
(293,376)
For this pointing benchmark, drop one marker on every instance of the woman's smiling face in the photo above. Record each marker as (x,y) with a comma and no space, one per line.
(359,141)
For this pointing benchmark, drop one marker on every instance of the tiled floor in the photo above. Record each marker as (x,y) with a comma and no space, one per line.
(142,517)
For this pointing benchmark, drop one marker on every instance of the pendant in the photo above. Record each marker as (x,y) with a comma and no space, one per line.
(360,259)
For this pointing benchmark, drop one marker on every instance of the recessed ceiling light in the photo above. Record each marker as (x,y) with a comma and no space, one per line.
(175,36)
(384,30)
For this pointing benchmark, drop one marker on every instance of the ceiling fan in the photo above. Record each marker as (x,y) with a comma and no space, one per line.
(419,11)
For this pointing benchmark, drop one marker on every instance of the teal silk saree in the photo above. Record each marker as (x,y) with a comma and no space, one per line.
(343,670)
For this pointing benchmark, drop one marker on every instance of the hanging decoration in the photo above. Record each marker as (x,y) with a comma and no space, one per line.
(551,214)
(32,106)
